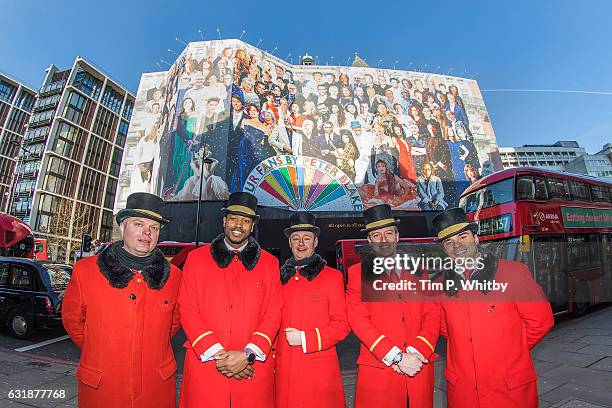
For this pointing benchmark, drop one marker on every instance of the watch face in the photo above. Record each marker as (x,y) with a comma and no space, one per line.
(251,357)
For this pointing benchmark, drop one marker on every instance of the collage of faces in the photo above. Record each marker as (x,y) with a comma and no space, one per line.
(412,140)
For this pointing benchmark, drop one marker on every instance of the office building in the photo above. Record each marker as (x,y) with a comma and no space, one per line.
(71,156)
(552,157)
(16,103)
(596,165)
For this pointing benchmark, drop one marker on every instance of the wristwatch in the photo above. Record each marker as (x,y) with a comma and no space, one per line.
(250,356)
(398,358)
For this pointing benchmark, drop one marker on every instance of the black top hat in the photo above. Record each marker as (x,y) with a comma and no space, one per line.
(378,217)
(452,222)
(241,203)
(143,205)
(302,221)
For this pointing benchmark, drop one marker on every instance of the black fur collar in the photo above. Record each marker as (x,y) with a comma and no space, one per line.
(309,271)
(119,276)
(249,256)
(487,273)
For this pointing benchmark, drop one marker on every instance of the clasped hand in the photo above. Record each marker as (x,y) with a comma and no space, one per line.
(410,365)
(234,364)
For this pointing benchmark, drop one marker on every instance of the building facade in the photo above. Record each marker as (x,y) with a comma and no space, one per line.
(552,157)
(596,165)
(16,103)
(304,137)
(71,157)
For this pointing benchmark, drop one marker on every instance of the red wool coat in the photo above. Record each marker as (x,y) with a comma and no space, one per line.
(382,325)
(317,307)
(123,333)
(488,363)
(223,301)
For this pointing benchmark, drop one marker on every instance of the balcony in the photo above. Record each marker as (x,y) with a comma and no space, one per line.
(46,106)
(52,88)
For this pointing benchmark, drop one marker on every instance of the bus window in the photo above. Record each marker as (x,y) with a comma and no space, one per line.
(582,251)
(525,189)
(494,194)
(558,188)
(606,250)
(504,248)
(540,188)
(599,193)
(549,268)
(579,190)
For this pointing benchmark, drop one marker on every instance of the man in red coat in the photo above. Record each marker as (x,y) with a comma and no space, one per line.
(398,337)
(314,321)
(120,310)
(231,303)
(490,330)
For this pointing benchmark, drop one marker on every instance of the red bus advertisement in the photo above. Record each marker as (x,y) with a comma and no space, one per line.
(559,224)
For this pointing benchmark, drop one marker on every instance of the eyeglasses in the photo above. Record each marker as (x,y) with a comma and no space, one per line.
(378,236)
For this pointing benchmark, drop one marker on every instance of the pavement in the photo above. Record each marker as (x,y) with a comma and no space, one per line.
(573,362)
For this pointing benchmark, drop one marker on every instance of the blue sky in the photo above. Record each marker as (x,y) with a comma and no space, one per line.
(562,45)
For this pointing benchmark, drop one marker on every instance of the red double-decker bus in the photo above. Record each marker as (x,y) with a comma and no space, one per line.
(559,224)
(16,237)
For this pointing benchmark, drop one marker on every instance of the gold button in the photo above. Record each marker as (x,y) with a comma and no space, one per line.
(296,278)
(138,280)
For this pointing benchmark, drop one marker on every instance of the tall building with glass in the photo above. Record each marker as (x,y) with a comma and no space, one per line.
(16,103)
(71,156)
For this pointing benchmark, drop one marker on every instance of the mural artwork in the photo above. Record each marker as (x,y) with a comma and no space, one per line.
(229,117)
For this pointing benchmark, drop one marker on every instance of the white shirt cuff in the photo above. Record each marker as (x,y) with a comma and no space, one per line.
(208,354)
(259,355)
(388,360)
(303,341)
(411,349)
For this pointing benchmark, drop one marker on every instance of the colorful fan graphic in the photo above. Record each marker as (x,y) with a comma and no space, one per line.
(303,183)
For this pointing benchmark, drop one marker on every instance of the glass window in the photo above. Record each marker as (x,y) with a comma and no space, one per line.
(525,188)
(69,141)
(558,188)
(106,229)
(494,194)
(579,190)
(128,109)
(540,188)
(111,191)
(60,177)
(112,99)
(115,166)
(25,100)
(582,251)
(4,270)
(122,133)
(599,193)
(87,83)
(21,278)
(7,91)
(56,277)
(79,110)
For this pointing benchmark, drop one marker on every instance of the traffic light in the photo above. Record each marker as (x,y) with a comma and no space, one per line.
(86,244)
